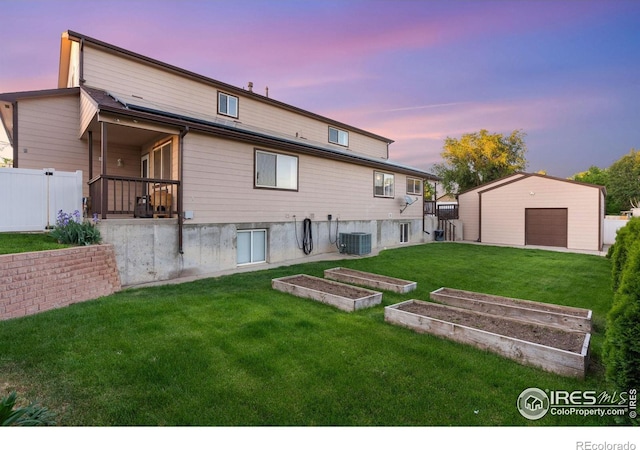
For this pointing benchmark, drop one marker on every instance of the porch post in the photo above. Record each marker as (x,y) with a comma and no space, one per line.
(90,155)
(183,133)
(103,170)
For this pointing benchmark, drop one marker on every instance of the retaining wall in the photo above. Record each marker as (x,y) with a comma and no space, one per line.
(38,281)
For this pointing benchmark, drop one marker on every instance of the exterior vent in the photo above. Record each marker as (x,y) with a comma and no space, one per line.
(355,243)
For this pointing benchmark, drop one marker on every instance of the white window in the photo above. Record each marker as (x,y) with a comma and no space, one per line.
(252,246)
(275,170)
(404,233)
(414,186)
(162,161)
(339,137)
(227,105)
(383,184)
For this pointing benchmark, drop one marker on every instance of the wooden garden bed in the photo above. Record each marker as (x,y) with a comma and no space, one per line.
(550,348)
(371,280)
(342,296)
(574,319)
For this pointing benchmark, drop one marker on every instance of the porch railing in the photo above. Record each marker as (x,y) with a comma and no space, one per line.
(429,208)
(449,212)
(140,197)
(448,229)
(440,211)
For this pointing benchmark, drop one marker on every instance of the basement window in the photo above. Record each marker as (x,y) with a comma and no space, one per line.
(251,246)
(339,137)
(404,233)
(227,105)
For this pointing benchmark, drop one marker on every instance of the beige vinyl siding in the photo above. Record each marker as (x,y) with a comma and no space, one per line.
(468,214)
(48,135)
(129,80)
(469,207)
(503,210)
(218,187)
(88,110)
(73,79)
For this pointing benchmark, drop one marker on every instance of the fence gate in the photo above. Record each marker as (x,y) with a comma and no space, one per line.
(30,199)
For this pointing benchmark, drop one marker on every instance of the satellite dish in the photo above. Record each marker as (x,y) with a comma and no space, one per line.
(408,201)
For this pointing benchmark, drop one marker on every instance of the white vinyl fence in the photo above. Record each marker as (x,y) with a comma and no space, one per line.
(611,226)
(30,199)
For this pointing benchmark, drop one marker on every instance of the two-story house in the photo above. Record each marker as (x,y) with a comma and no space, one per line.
(191,175)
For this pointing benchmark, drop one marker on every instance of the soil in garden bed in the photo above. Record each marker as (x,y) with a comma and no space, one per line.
(370,276)
(321,285)
(551,337)
(511,302)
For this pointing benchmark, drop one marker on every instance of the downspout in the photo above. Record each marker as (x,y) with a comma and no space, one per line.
(479,217)
(601,215)
(16,147)
(183,133)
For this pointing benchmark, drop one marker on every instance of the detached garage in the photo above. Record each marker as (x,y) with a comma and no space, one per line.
(533,209)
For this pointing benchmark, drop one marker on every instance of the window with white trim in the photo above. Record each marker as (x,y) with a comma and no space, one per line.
(251,246)
(404,233)
(227,105)
(162,161)
(276,171)
(414,186)
(339,137)
(383,184)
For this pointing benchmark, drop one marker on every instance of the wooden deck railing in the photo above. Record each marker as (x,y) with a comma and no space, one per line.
(140,197)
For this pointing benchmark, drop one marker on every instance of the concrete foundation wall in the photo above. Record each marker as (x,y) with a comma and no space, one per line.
(147,250)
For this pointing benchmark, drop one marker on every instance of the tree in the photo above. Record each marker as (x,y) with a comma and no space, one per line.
(478,158)
(596,175)
(593,175)
(429,191)
(624,180)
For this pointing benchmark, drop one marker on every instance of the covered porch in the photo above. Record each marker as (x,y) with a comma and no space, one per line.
(134,164)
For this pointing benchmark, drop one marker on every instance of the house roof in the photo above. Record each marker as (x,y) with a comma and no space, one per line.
(65,54)
(496,184)
(107,103)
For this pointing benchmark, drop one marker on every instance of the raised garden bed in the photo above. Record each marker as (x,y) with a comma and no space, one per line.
(371,280)
(550,348)
(342,296)
(574,319)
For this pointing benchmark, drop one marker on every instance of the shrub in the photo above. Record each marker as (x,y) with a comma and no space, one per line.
(618,251)
(621,353)
(30,415)
(71,229)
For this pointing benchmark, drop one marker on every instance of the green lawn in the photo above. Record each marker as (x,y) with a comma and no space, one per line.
(27,242)
(232,351)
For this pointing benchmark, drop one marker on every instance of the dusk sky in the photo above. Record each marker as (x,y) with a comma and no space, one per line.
(567,73)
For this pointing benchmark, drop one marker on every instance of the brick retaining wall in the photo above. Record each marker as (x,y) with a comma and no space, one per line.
(39,281)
